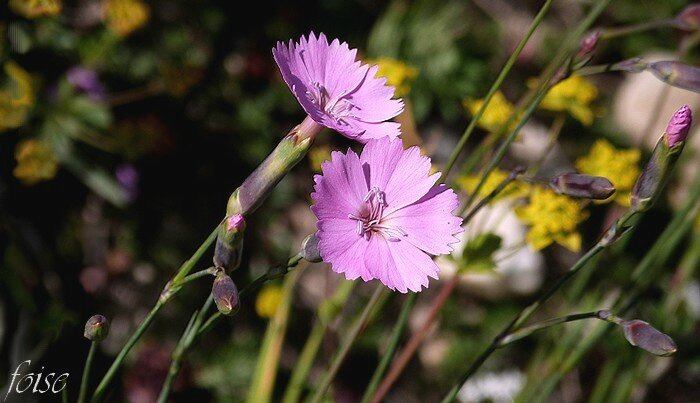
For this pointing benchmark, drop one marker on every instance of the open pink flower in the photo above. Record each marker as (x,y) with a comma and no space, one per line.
(381,216)
(337,91)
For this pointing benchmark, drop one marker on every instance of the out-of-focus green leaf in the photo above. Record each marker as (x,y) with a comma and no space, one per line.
(478,253)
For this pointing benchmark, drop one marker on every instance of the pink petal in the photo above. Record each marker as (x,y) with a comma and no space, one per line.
(340,245)
(373,99)
(429,222)
(412,267)
(341,189)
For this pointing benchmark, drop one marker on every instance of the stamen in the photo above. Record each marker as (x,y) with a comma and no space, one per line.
(370,215)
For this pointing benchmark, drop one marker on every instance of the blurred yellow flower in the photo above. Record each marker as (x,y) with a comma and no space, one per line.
(573,95)
(16,97)
(398,74)
(36,8)
(514,189)
(126,16)
(317,155)
(553,218)
(619,166)
(36,162)
(496,114)
(268,300)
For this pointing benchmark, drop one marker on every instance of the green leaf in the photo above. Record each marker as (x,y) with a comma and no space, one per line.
(478,253)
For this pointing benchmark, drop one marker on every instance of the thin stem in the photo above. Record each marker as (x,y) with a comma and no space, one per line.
(528,330)
(186,340)
(347,344)
(553,136)
(327,312)
(112,371)
(486,200)
(199,274)
(416,339)
(86,372)
(611,33)
(494,87)
(391,348)
(171,289)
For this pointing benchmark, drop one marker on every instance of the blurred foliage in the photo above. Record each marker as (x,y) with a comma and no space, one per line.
(125,124)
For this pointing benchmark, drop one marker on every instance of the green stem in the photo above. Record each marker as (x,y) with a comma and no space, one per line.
(183,345)
(347,344)
(171,289)
(391,348)
(112,371)
(327,313)
(611,33)
(86,372)
(528,330)
(494,88)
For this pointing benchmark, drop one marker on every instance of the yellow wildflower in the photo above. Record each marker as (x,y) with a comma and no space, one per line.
(126,16)
(514,189)
(496,114)
(619,166)
(317,155)
(268,300)
(553,219)
(36,8)
(16,97)
(36,162)
(398,74)
(573,95)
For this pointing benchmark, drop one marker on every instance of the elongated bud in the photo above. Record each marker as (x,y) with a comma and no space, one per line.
(96,328)
(677,74)
(589,43)
(229,243)
(641,334)
(663,159)
(309,249)
(258,185)
(225,294)
(679,126)
(689,18)
(583,186)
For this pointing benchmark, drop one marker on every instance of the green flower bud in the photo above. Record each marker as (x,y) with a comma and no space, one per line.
(643,335)
(229,243)
(583,186)
(225,294)
(309,249)
(96,328)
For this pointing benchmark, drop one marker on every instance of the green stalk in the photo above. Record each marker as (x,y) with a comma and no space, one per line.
(268,361)
(86,372)
(170,289)
(326,314)
(391,348)
(494,88)
(347,344)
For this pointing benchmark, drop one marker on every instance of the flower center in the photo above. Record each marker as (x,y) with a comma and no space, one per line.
(370,215)
(338,108)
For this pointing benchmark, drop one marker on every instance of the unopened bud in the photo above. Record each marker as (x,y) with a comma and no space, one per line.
(643,335)
(225,294)
(583,186)
(677,74)
(96,328)
(689,18)
(679,126)
(588,46)
(229,243)
(309,249)
(658,170)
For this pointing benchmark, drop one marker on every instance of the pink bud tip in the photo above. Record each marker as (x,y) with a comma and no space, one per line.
(679,126)
(235,222)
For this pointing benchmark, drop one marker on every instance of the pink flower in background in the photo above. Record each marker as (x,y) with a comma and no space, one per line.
(337,91)
(381,215)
